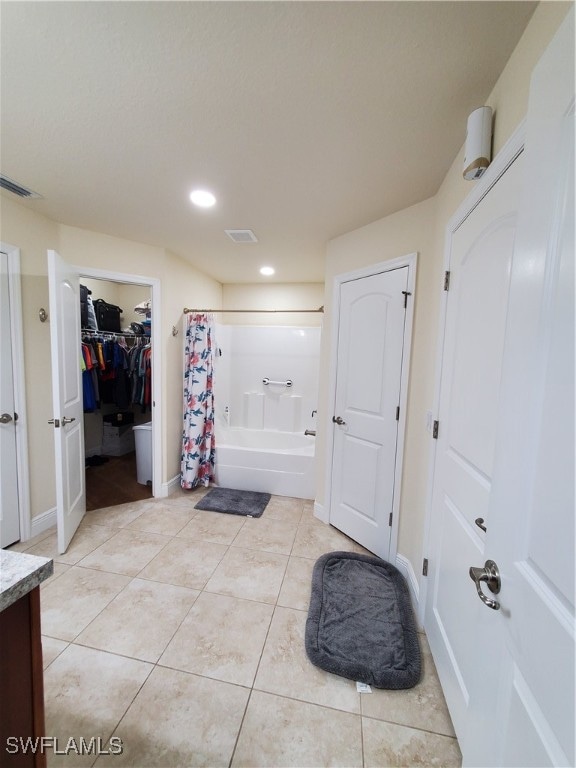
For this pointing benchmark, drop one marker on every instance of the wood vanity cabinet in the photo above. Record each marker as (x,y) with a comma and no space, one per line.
(21,671)
(21,680)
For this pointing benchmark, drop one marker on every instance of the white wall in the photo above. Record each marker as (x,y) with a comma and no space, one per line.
(421,228)
(275,296)
(123,295)
(408,231)
(33,234)
(252,353)
(181,285)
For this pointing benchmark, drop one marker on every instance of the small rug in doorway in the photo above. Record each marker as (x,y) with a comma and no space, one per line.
(360,622)
(234,502)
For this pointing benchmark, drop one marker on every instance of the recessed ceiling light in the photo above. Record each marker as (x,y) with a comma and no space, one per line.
(202,198)
(267,271)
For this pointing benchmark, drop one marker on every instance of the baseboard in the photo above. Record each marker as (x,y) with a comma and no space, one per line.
(42,522)
(321,512)
(405,567)
(167,488)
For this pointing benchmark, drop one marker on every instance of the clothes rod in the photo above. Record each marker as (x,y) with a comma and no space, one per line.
(125,334)
(186,310)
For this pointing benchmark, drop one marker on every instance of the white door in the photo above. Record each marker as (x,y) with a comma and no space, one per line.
(369,372)
(480,259)
(9,510)
(68,402)
(524,691)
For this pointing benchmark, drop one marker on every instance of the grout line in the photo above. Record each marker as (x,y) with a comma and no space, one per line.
(303,522)
(240,728)
(362,735)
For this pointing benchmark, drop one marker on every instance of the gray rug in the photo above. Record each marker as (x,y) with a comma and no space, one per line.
(360,622)
(234,502)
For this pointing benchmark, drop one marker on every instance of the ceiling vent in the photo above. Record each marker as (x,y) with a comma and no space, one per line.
(17,189)
(241,235)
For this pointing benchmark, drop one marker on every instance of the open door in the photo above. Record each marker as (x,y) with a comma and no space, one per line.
(64,286)
(9,509)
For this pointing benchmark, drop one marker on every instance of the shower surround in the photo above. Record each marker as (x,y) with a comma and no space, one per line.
(260,441)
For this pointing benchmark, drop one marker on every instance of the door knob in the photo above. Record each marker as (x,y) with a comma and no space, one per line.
(5,418)
(66,420)
(491,575)
(338,420)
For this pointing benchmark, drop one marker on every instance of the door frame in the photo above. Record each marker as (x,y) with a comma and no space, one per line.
(503,160)
(19,379)
(156,338)
(410,261)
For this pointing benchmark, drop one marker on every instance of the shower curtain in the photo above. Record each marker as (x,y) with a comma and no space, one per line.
(198,447)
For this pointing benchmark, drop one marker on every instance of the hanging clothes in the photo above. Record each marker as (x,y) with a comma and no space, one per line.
(87,382)
(198,444)
(140,371)
(114,374)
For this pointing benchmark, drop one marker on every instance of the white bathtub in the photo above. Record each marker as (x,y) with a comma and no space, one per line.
(281,463)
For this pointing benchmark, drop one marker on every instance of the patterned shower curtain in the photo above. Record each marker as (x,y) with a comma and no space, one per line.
(198,447)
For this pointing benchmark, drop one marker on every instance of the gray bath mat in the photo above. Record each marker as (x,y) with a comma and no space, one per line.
(249,503)
(360,622)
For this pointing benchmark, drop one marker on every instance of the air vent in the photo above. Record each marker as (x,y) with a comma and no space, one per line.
(17,189)
(241,235)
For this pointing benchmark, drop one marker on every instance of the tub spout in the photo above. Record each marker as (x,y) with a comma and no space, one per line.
(310,432)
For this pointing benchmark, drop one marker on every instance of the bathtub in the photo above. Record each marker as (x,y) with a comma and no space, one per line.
(263,460)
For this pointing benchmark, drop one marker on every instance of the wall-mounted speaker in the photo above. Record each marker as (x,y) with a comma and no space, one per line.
(478,152)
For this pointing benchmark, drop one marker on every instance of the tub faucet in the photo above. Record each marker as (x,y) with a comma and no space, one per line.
(311,432)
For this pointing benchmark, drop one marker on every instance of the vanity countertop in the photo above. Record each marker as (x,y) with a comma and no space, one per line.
(21,573)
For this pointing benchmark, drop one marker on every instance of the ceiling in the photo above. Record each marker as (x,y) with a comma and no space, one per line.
(306,119)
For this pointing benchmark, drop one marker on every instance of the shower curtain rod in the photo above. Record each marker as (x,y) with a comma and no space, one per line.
(186,310)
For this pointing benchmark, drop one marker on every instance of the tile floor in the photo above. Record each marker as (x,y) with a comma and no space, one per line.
(181,632)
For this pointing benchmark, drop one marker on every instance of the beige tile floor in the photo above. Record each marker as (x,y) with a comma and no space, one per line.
(180,632)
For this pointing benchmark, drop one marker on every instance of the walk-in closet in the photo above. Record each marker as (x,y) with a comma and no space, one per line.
(116,321)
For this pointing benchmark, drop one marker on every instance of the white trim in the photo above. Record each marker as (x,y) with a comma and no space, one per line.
(156,338)
(18,373)
(321,512)
(503,160)
(43,522)
(170,487)
(411,261)
(405,567)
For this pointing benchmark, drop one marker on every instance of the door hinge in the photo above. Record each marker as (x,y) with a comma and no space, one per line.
(425,567)
(397,413)
(447,280)
(435,426)
(390,520)
(406,294)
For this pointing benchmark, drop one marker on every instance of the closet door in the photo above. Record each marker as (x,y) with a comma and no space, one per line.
(68,421)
